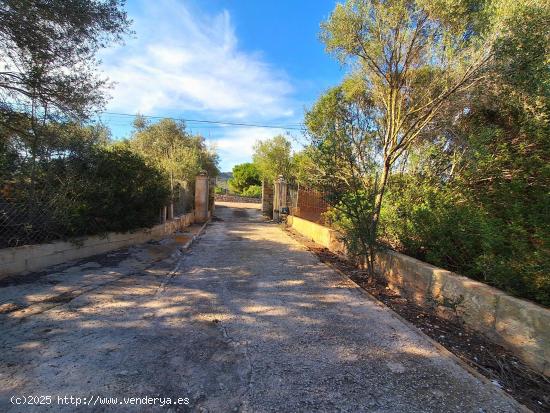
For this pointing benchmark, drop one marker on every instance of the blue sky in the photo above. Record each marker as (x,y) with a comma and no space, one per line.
(239,61)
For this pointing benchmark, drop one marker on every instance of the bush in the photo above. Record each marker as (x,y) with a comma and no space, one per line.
(91,190)
(253,191)
(450,230)
(244,176)
(110,190)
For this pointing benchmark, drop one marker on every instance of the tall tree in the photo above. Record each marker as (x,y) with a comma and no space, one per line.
(273,157)
(48,53)
(170,147)
(244,176)
(408,59)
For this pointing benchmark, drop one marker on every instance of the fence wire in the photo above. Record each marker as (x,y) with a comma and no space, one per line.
(183,200)
(306,203)
(43,218)
(34,221)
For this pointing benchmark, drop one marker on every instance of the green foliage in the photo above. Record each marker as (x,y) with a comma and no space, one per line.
(440,225)
(63,179)
(467,161)
(245,175)
(351,214)
(306,170)
(49,52)
(253,191)
(408,59)
(168,146)
(107,189)
(273,157)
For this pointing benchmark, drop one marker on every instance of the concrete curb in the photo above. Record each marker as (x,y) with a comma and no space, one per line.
(194,237)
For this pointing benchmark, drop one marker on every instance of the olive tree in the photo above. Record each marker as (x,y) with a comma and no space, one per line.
(408,59)
(48,51)
(167,145)
(273,157)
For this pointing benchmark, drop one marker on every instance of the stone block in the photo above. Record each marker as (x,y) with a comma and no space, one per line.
(119,236)
(473,302)
(12,267)
(408,276)
(61,246)
(7,255)
(524,327)
(336,244)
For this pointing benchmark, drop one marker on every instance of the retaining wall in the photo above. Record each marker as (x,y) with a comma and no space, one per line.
(237,198)
(519,325)
(37,257)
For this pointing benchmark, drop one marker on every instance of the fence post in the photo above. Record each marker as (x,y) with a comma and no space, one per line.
(279,197)
(212,196)
(201,197)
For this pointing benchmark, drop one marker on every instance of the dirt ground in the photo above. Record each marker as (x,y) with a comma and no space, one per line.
(245,320)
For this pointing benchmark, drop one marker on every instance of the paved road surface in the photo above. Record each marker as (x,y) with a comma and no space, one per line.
(246,320)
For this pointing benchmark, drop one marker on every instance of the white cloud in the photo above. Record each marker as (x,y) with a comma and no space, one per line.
(183,60)
(236,145)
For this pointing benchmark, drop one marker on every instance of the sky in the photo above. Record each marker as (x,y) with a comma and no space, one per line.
(235,61)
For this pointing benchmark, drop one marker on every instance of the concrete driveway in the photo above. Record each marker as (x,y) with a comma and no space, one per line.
(246,320)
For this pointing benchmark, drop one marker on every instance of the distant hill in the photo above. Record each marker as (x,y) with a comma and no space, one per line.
(222,178)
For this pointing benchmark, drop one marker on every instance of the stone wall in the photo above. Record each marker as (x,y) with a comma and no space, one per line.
(519,325)
(30,258)
(267,198)
(237,198)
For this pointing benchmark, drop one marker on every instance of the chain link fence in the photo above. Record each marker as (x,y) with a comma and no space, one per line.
(44,218)
(35,221)
(183,200)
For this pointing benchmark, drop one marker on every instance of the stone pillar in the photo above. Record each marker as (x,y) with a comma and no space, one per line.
(201,197)
(267,197)
(279,197)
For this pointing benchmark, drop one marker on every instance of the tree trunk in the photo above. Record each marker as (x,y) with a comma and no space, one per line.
(376,217)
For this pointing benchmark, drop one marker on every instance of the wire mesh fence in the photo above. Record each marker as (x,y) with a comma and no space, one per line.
(59,181)
(45,217)
(35,221)
(306,203)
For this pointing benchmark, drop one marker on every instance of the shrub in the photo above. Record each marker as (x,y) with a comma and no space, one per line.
(447,229)
(253,191)
(90,191)
(244,176)
(110,190)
